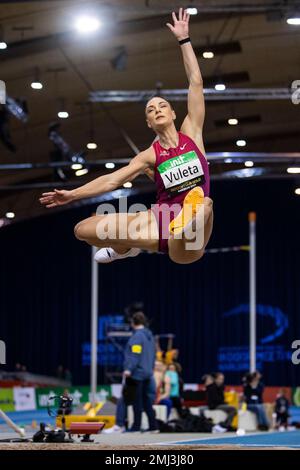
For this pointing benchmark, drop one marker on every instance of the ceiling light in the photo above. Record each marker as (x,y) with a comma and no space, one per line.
(110,165)
(294,19)
(220,87)
(76,166)
(3,45)
(241,143)
(36,85)
(82,172)
(249,163)
(10,215)
(208,55)
(87,24)
(233,122)
(63,114)
(297,191)
(92,145)
(293,170)
(192,11)
(127,185)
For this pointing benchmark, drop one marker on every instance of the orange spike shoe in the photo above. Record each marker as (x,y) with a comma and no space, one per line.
(191,204)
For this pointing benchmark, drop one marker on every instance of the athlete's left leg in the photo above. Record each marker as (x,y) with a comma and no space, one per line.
(178,251)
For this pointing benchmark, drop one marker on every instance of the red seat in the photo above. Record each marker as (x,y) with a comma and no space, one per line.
(86,428)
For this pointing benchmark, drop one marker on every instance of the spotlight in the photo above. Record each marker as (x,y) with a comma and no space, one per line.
(192,11)
(76,166)
(233,122)
(293,170)
(87,24)
(297,191)
(249,163)
(36,85)
(228,160)
(110,165)
(127,185)
(241,143)
(220,87)
(3,45)
(63,114)
(92,145)
(82,172)
(10,215)
(208,55)
(294,19)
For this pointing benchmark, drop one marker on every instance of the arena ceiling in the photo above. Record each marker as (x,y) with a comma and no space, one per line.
(134,51)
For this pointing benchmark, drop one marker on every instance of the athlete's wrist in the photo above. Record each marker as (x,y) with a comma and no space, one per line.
(74,194)
(184,40)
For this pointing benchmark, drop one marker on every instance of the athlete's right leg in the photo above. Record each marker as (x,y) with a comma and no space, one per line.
(120,231)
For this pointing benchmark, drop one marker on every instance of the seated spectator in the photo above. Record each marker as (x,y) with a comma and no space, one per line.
(172,374)
(281,410)
(163,386)
(215,400)
(253,396)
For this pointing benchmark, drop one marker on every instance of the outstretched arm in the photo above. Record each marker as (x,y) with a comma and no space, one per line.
(103,184)
(194,120)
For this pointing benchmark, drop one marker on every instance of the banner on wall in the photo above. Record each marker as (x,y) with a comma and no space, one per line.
(296,396)
(24,398)
(271,347)
(7,399)
(80,395)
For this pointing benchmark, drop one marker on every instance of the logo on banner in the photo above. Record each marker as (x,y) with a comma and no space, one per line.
(274,324)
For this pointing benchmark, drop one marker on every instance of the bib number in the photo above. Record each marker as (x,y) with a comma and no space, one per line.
(182,173)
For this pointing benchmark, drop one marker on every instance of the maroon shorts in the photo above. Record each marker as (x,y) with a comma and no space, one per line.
(164,214)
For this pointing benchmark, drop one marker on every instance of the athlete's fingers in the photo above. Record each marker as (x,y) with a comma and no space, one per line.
(174,17)
(170,26)
(48,194)
(51,205)
(180,14)
(187,17)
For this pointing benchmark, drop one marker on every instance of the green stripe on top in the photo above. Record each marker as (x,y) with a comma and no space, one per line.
(177,161)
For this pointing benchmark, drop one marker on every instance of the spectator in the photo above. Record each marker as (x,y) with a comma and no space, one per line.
(173,375)
(163,386)
(253,396)
(138,365)
(215,399)
(281,410)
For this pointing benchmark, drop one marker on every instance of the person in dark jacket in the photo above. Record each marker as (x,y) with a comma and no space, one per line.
(215,399)
(139,358)
(253,396)
(281,410)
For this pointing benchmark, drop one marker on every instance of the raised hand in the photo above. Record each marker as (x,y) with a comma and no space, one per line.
(56,198)
(180,28)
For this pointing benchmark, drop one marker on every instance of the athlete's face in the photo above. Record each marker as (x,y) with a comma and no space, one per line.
(159,113)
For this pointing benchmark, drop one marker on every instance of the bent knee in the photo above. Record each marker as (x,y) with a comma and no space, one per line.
(79,231)
(186,257)
(208,202)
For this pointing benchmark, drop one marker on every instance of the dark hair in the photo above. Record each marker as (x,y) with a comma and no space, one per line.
(159,96)
(138,318)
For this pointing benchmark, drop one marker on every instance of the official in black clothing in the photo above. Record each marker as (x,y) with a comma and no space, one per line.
(215,398)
